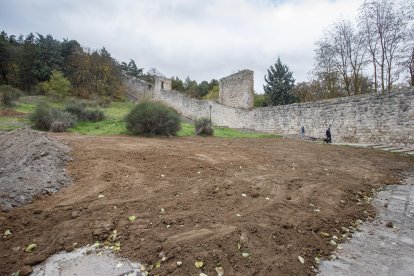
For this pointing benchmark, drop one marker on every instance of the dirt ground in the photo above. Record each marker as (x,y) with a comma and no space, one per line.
(11,112)
(206,199)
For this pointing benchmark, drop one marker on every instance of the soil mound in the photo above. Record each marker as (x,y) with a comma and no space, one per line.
(31,163)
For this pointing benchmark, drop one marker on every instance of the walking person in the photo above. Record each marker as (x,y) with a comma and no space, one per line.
(302,132)
(328,138)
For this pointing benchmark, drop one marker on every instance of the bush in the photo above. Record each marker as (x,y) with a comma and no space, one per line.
(203,127)
(47,118)
(104,101)
(41,118)
(8,94)
(75,107)
(57,87)
(92,115)
(58,126)
(153,118)
(78,108)
(259,100)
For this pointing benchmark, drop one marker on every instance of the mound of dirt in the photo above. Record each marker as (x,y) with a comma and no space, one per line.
(31,163)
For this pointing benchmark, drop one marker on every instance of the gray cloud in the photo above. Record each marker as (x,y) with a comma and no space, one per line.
(200,39)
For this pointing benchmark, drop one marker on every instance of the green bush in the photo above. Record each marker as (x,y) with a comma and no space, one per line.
(153,118)
(58,87)
(75,107)
(92,115)
(79,109)
(8,94)
(259,100)
(44,117)
(203,127)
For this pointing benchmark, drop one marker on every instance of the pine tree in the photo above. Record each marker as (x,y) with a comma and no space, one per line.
(279,85)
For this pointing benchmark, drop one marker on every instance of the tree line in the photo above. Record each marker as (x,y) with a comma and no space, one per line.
(368,55)
(30,62)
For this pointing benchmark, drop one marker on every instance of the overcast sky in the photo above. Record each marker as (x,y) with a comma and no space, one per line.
(203,39)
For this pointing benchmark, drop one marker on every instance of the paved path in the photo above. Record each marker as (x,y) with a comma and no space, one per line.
(380,250)
(407,150)
(86,262)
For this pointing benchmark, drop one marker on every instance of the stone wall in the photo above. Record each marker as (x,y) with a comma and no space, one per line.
(162,83)
(384,119)
(138,90)
(237,90)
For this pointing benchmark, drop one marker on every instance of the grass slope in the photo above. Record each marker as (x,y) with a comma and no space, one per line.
(114,122)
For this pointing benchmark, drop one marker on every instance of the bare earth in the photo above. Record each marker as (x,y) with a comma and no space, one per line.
(270,198)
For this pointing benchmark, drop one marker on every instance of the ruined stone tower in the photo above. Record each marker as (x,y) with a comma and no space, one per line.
(237,90)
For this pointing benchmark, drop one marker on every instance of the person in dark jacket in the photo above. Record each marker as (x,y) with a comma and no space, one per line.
(328,138)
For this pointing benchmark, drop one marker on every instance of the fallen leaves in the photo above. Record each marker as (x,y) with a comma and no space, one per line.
(199,264)
(7,233)
(31,247)
(220,271)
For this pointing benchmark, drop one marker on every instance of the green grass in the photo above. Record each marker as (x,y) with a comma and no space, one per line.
(24,107)
(224,132)
(186,130)
(114,122)
(105,127)
(12,123)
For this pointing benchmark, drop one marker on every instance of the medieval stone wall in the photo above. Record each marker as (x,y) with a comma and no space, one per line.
(138,90)
(237,90)
(383,119)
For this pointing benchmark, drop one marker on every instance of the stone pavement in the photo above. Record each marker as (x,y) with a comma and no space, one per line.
(86,261)
(377,249)
(406,150)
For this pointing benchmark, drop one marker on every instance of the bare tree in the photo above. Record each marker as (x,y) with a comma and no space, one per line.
(341,51)
(384,24)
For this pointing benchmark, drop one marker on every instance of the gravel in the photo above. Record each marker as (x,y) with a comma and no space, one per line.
(31,163)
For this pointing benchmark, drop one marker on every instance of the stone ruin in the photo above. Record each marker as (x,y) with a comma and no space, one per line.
(162,83)
(237,90)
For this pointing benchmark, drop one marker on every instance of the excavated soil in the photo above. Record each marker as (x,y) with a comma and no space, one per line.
(209,199)
(31,163)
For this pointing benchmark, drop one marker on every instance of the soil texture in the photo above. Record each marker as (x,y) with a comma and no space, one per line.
(241,206)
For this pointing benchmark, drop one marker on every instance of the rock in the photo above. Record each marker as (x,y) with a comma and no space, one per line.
(243,238)
(220,271)
(386,205)
(34,260)
(389,224)
(25,270)
(74,214)
(38,211)
(344,230)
